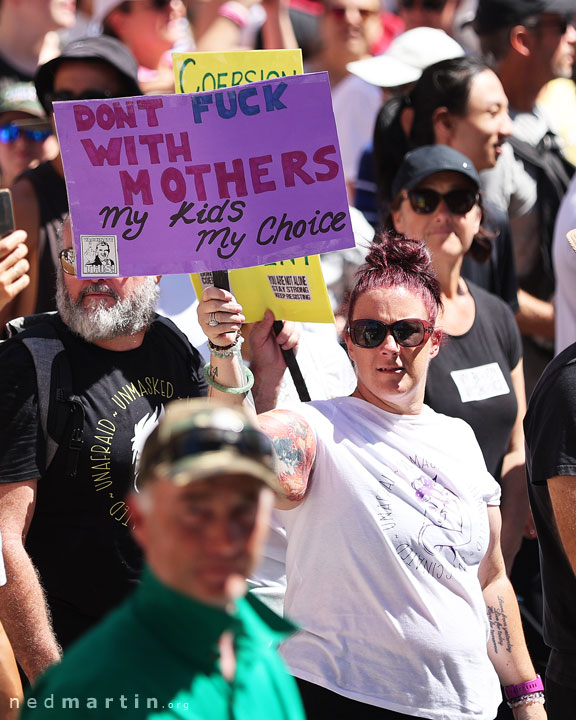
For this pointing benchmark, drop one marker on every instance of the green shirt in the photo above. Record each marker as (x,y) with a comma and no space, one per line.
(156,657)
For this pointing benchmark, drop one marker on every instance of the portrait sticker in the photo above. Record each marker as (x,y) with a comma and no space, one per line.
(99,255)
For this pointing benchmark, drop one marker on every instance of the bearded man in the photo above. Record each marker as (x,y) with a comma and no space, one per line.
(67,547)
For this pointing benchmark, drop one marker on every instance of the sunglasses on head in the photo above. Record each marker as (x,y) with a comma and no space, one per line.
(11,132)
(430,5)
(459,202)
(409,333)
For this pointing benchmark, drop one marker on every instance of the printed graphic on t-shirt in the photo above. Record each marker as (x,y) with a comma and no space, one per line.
(142,430)
(444,540)
(447,526)
(129,419)
(480,383)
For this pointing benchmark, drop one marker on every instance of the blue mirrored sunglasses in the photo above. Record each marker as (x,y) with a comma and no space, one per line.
(11,132)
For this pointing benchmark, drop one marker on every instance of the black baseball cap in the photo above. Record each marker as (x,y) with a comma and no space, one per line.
(430,159)
(495,14)
(102,47)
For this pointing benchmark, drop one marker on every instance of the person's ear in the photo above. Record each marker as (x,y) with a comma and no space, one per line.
(134,502)
(521,40)
(157,279)
(478,220)
(398,219)
(435,342)
(407,120)
(349,346)
(443,124)
(116,20)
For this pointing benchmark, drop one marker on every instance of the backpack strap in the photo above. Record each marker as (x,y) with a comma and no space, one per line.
(553,175)
(41,336)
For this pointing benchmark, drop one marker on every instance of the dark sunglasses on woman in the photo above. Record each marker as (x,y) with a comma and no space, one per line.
(459,202)
(410,332)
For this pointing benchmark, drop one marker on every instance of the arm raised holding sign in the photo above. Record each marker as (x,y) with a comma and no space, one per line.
(221,319)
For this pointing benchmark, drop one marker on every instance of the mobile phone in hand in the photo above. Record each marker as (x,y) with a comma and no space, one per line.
(6,212)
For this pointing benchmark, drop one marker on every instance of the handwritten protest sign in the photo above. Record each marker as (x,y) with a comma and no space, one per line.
(202,71)
(207,181)
(292,289)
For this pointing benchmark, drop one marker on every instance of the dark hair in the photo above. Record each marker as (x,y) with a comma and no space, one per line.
(444,84)
(397,261)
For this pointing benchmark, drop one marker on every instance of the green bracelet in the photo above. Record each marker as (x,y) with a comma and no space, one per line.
(232,390)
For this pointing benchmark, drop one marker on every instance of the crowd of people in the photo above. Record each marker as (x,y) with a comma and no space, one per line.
(169,503)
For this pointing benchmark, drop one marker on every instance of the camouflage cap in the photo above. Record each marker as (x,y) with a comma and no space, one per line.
(21,97)
(196,440)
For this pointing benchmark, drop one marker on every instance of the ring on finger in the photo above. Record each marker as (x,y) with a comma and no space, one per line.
(212,320)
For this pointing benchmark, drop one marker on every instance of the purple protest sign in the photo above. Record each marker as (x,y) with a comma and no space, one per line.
(204,181)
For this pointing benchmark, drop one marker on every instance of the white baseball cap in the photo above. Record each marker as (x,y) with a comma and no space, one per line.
(407,56)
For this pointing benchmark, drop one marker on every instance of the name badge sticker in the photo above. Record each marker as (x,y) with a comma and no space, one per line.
(480,383)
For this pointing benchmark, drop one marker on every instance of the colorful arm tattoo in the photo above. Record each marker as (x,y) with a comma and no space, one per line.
(295,445)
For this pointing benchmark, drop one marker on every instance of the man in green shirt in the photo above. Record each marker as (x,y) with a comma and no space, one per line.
(189,643)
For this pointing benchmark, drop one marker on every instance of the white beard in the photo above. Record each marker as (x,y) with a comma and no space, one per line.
(128,316)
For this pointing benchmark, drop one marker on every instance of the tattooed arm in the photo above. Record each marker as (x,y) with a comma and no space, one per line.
(295,445)
(506,645)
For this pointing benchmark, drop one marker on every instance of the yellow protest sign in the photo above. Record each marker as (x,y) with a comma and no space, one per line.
(292,289)
(205,71)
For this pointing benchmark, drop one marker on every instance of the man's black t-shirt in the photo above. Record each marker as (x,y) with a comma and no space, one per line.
(79,538)
(550,429)
(470,377)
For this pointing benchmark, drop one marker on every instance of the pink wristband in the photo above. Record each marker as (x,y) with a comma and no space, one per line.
(513,692)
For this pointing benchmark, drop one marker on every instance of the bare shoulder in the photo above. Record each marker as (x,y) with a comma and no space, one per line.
(295,443)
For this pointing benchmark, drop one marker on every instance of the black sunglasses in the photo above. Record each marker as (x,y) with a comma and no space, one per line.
(560,23)
(459,202)
(67,95)
(430,5)
(410,332)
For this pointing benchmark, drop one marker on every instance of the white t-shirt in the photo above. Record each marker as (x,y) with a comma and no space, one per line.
(383,559)
(356,104)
